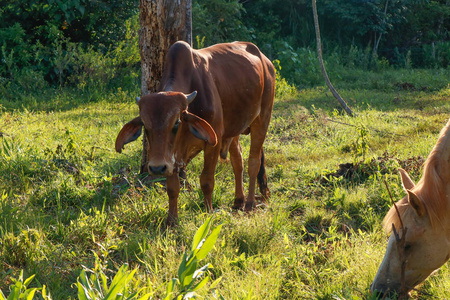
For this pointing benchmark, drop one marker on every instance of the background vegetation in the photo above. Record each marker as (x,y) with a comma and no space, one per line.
(64,43)
(72,209)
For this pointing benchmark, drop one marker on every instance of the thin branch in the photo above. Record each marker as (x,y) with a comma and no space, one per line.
(322,66)
(373,129)
(395,205)
(400,243)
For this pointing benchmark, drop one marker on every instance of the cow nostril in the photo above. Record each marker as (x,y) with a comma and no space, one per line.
(159,170)
(381,291)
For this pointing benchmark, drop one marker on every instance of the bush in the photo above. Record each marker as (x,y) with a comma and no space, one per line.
(282,87)
(300,66)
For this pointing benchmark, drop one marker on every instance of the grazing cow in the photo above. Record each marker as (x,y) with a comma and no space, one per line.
(206,99)
(420,243)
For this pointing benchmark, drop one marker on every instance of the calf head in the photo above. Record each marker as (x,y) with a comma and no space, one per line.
(166,122)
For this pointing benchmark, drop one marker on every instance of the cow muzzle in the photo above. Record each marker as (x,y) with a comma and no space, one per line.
(158,170)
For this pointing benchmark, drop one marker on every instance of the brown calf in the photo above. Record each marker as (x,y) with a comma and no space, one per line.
(207,98)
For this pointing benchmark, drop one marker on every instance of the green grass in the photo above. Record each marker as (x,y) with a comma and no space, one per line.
(65,194)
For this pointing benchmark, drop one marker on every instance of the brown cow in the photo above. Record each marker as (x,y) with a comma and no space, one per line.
(231,92)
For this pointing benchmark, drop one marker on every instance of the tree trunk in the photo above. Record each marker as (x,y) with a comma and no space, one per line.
(162,23)
(322,66)
(377,40)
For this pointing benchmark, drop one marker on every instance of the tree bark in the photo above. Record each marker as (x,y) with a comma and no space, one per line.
(162,23)
(322,66)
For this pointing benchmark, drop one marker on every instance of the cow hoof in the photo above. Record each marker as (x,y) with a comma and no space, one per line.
(249,206)
(238,203)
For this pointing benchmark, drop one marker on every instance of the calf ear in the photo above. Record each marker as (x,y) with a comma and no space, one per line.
(129,132)
(406,181)
(200,128)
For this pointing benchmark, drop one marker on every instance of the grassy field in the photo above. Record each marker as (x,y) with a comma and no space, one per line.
(66,197)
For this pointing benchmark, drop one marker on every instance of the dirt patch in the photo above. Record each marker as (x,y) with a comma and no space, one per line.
(384,164)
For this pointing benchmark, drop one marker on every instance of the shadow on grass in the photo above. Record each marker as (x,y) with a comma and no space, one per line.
(63,99)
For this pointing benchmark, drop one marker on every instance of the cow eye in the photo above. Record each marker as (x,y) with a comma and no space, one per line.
(407,247)
(175,126)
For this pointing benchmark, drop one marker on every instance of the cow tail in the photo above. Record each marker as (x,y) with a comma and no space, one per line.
(262,178)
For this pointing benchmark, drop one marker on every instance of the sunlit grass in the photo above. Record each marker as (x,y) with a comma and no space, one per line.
(66,194)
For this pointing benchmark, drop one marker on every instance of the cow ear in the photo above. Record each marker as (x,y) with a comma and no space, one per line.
(200,128)
(415,202)
(406,180)
(129,132)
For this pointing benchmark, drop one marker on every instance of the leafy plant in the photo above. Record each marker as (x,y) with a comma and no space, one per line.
(282,87)
(200,42)
(95,285)
(188,281)
(361,144)
(20,290)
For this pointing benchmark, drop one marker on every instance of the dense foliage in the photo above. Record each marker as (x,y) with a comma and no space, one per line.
(59,42)
(65,42)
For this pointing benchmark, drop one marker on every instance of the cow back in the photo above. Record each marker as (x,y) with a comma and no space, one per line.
(231,80)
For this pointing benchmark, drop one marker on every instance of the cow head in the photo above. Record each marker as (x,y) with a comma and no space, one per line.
(166,122)
(425,247)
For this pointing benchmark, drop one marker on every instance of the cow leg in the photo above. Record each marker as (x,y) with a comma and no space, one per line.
(211,155)
(258,134)
(238,169)
(173,190)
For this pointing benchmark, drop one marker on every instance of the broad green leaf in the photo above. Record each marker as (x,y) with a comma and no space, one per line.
(45,294)
(28,280)
(15,292)
(201,233)
(215,283)
(182,266)
(201,284)
(170,288)
(147,291)
(145,297)
(81,295)
(84,280)
(117,287)
(120,276)
(100,283)
(30,293)
(209,243)
(83,292)
(186,277)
